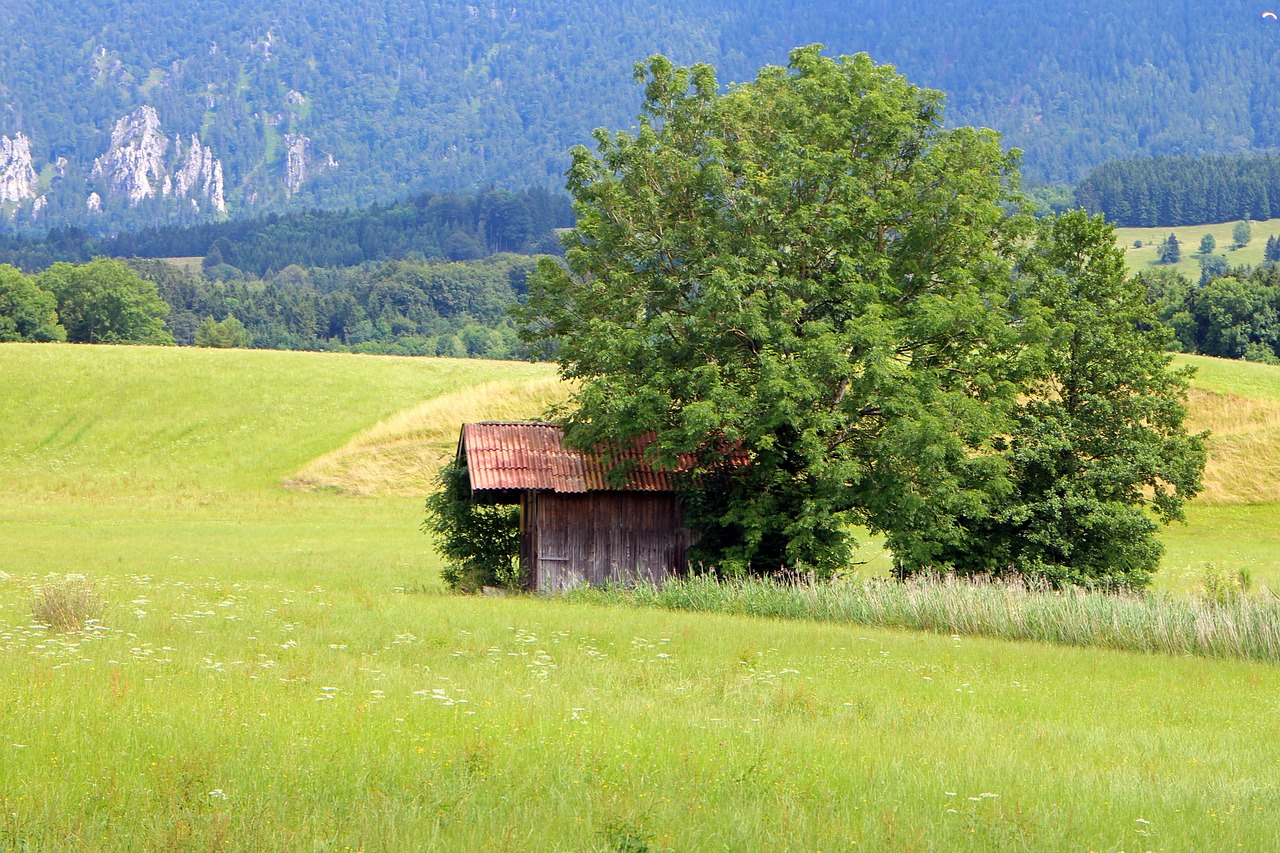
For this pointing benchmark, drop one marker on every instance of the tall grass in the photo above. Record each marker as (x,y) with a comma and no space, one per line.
(1223,626)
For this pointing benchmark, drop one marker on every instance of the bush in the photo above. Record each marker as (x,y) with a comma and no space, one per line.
(67,606)
(479,542)
(1223,588)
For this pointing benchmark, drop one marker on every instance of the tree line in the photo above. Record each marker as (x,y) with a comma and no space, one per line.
(450,226)
(447,308)
(1231,312)
(1171,191)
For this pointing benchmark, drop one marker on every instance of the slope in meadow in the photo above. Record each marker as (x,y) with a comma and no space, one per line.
(400,455)
(125,420)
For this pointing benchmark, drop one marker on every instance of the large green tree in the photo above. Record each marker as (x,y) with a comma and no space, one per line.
(808,268)
(106,301)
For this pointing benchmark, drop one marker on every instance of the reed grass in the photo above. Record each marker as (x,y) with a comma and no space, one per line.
(1218,625)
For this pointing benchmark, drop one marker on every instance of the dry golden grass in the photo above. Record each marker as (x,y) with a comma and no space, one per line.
(1244,447)
(400,455)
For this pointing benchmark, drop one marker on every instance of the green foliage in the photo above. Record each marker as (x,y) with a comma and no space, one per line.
(1184,190)
(452,226)
(808,268)
(397,308)
(1211,267)
(224,334)
(1170,250)
(480,543)
(1241,234)
(1097,446)
(1224,588)
(1233,313)
(1051,200)
(27,313)
(105,301)
(1207,244)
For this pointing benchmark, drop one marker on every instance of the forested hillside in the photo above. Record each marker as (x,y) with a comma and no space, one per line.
(134,113)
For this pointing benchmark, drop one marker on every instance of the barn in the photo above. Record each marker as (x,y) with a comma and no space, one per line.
(576,526)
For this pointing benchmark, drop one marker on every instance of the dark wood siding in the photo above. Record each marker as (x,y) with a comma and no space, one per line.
(601,538)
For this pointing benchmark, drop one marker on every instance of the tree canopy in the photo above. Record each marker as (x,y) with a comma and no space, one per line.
(27,313)
(810,268)
(1096,445)
(105,301)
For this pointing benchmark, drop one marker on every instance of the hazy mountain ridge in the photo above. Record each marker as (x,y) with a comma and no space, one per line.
(331,105)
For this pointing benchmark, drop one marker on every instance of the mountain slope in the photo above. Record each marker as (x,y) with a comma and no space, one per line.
(127,112)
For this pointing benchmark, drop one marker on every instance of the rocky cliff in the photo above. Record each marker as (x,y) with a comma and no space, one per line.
(300,161)
(141,163)
(18,177)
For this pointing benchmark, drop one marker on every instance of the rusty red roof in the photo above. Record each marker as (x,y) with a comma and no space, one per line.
(519,456)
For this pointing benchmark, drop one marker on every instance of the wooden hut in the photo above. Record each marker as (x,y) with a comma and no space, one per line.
(575,526)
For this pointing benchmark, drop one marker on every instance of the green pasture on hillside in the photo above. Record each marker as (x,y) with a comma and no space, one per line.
(1189,236)
(279,670)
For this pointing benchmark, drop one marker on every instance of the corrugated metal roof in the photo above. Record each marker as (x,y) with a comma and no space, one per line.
(518,456)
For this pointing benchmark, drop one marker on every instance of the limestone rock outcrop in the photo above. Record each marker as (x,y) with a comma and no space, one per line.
(133,166)
(18,179)
(142,163)
(300,161)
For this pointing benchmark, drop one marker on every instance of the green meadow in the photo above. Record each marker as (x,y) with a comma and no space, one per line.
(277,668)
(1146,256)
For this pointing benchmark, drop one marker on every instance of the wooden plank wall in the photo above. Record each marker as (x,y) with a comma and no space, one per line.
(604,538)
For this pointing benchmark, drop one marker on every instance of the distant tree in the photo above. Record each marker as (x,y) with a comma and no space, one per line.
(1168,292)
(1241,234)
(1272,250)
(1211,267)
(106,301)
(1207,244)
(227,334)
(1170,251)
(27,313)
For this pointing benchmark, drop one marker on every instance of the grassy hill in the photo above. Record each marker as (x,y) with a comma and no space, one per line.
(1189,236)
(275,670)
(143,459)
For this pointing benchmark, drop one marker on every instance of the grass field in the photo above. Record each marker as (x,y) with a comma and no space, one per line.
(277,670)
(1189,237)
